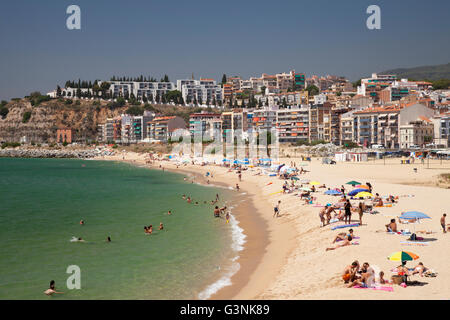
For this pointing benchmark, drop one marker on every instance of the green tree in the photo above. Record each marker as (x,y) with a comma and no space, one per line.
(26,116)
(224,79)
(4,112)
(312,90)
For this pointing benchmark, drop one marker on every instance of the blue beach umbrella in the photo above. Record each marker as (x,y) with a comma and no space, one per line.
(332,192)
(414,215)
(411,215)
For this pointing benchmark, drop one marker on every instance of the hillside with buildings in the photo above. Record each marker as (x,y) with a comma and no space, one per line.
(383,110)
(436,72)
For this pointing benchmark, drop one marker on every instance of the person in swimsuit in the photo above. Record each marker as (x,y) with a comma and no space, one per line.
(345,242)
(343,235)
(161,227)
(443,222)
(420,269)
(322,215)
(348,212)
(360,212)
(216,212)
(276,209)
(350,272)
(52,289)
(392,226)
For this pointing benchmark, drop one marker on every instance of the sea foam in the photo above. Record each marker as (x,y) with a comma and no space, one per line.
(237,245)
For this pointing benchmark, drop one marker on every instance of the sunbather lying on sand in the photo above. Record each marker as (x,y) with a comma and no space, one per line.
(343,235)
(345,242)
(420,269)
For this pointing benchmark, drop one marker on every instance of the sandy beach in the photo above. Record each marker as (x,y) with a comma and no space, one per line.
(285,257)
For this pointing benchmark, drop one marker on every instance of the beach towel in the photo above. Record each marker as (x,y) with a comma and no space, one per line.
(345,226)
(382,288)
(414,243)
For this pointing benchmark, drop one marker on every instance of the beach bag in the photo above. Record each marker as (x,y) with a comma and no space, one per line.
(346,277)
(396,279)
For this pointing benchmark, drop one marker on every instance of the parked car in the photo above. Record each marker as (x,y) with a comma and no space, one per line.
(377,146)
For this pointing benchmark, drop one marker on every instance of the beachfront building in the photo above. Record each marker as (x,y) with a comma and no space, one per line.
(233,120)
(378,125)
(347,128)
(203,91)
(292,125)
(320,122)
(441,125)
(64,134)
(161,128)
(206,125)
(264,119)
(416,133)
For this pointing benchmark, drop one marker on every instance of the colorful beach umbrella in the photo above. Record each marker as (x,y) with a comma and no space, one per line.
(362,186)
(295,178)
(364,194)
(314,183)
(353,183)
(403,256)
(356,191)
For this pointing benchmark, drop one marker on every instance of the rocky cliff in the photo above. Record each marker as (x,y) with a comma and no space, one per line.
(45,119)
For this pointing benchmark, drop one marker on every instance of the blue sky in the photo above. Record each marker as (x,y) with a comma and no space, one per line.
(210,38)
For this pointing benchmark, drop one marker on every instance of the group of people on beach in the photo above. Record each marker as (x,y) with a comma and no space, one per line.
(364,276)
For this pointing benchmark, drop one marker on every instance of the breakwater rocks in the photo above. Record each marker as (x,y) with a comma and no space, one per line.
(42,153)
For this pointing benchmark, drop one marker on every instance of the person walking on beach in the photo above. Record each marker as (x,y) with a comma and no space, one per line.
(348,212)
(276,209)
(443,222)
(237,187)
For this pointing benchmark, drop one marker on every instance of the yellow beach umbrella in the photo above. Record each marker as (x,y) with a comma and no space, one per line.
(364,194)
(314,183)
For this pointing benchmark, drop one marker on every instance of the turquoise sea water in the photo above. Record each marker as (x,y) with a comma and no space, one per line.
(43,200)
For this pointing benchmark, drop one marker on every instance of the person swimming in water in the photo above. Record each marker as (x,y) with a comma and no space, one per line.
(51,290)
(108,239)
(169,212)
(81,222)
(161,227)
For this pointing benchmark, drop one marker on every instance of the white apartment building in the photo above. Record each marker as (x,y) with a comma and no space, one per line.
(202,91)
(139,89)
